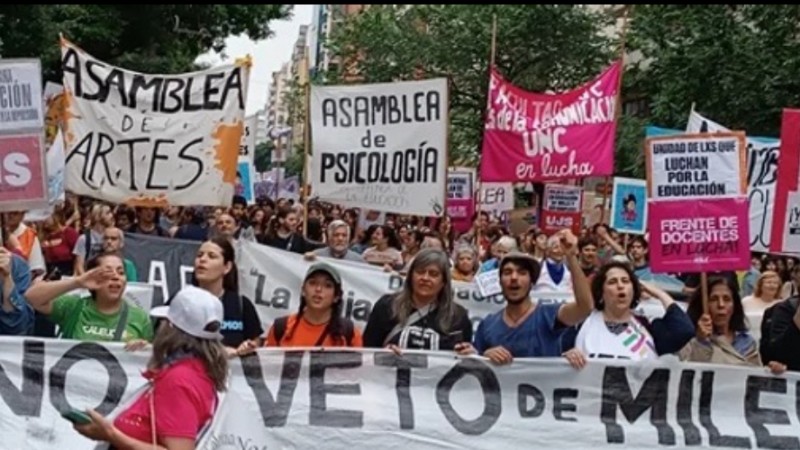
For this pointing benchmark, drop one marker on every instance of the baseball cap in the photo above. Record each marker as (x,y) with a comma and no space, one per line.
(523,259)
(325,268)
(192,310)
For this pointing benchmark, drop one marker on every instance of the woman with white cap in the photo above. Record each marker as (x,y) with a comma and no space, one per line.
(186,370)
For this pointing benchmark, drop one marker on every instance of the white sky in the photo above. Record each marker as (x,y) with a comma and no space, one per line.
(268,55)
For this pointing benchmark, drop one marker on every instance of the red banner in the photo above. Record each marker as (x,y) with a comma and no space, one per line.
(23,178)
(786,222)
(531,136)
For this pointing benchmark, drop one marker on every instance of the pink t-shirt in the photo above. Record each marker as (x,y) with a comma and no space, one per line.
(183,400)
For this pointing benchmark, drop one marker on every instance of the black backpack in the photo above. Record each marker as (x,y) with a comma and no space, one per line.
(281,323)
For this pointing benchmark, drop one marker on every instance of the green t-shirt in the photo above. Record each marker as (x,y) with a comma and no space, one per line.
(130,271)
(92,325)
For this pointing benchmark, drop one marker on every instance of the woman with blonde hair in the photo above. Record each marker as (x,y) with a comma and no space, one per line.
(423,315)
(90,242)
(187,369)
(765,294)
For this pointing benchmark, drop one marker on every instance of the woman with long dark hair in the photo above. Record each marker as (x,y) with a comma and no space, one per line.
(385,250)
(318,322)
(722,333)
(186,370)
(423,315)
(215,271)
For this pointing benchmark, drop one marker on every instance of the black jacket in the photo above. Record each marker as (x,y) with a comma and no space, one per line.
(782,342)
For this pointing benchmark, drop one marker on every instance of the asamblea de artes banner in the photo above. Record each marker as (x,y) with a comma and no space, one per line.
(381,146)
(531,136)
(762,177)
(152,140)
(307,398)
(786,226)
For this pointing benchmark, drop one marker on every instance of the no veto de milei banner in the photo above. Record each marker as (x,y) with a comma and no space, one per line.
(381,146)
(532,136)
(371,398)
(786,226)
(698,208)
(152,140)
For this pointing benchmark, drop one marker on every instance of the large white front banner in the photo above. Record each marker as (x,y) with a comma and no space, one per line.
(381,146)
(305,398)
(152,140)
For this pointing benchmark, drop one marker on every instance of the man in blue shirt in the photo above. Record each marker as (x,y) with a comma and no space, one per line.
(524,329)
(16,315)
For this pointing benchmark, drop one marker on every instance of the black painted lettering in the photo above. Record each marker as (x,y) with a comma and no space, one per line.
(320,415)
(685,395)
(402,386)
(127,123)
(102,88)
(524,392)
(274,413)
(362,110)
(653,396)
(117,380)
(70,63)
(187,97)
(757,416)
(105,145)
(145,122)
(142,83)
(172,88)
(328,160)
(560,407)
(154,158)
(210,89)
(117,78)
(715,439)
(26,401)
(492,405)
(234,82)
(347,119)
(131,143)
(195,160)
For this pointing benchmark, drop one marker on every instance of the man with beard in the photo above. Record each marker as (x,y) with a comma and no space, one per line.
(338,244)
(588,250)
(524,329)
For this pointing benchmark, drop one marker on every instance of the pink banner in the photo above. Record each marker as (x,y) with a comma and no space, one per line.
(530,136)
(460,198)
(22,174)
(699,235)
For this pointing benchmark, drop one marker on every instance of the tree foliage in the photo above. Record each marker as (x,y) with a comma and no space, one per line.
(737,63)
(262,160)
(153,38)
(539,47)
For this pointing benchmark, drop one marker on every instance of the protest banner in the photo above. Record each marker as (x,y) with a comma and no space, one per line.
(381,146)
(461,197)
(531,136)
(23,175)
(152,140)
(762,177)
(495,198)
(629,206)
(698,208)
(244,181)
(305,398)
(21,105)
(561,208)
(786,226)
(247,147)
(55,181)
(697,236)
(685,167)
(166,264)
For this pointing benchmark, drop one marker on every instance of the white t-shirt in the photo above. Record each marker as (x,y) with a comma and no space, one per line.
(595,340)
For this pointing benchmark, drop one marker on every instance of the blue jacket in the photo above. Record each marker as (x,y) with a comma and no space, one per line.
(20,320)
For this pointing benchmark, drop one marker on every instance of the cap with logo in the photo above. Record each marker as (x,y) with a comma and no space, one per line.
(192,311)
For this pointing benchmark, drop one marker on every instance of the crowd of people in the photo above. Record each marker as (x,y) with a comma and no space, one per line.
(80,246)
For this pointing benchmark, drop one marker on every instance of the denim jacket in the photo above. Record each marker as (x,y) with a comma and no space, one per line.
(20,320)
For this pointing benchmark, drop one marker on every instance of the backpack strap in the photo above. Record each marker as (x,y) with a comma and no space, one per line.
(122,323)
(87,246)
(280,328)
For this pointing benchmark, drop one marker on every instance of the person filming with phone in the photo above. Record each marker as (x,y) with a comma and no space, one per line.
(187,369)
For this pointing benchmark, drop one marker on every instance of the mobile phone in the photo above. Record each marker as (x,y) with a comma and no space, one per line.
(77,417)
